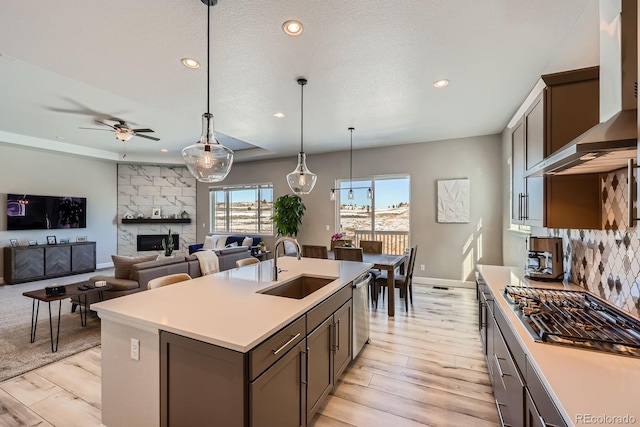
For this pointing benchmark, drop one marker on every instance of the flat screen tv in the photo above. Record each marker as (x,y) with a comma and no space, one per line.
(26,212)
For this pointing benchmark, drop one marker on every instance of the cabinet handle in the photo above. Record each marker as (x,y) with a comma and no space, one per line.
(630,218)
(338,335)
(498,405)
(525,199)
(519,205)
(500,371)
(275,352)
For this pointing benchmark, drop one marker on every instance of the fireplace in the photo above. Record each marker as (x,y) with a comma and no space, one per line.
(153,242)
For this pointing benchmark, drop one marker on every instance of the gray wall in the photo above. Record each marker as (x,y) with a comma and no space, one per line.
(448,251)
(38,172)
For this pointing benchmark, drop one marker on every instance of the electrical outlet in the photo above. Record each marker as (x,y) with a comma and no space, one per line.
(327,228)
(135,349)
(421,267)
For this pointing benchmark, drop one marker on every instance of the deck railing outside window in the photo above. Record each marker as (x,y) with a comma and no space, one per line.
(393,242)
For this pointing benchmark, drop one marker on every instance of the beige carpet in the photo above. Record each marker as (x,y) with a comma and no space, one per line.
(17,354)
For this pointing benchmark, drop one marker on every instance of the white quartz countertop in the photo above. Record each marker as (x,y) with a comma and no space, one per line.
(226,308)
(582,383)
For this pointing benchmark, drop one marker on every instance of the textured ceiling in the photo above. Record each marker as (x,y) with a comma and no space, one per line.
(371,64)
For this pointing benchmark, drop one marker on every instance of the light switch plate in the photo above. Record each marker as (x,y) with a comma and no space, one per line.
(135,349)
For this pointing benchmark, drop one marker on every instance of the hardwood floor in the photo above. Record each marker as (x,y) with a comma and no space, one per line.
(422,368)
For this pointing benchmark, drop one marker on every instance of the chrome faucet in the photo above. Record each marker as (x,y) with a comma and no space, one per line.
(276,269)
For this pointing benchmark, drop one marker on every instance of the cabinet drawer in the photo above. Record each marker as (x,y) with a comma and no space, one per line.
(512,343)
(318,314)
(543,403)
(272,349)
(508,387)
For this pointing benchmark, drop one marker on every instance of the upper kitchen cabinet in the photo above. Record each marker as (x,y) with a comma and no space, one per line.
(572,106)
(566,108)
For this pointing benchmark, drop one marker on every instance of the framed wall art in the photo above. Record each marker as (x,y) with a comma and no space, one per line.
(454,201)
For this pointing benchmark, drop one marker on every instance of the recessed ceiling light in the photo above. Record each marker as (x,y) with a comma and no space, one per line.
(164,150)
(279,115)
(441,83)
(292,27)
(190,63)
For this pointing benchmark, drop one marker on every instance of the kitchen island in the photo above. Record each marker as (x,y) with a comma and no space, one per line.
(586,387)
(226,314)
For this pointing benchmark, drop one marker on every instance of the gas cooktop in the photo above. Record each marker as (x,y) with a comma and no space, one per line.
(574,318)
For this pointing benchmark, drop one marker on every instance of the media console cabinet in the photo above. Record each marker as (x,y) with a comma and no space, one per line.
(29,263)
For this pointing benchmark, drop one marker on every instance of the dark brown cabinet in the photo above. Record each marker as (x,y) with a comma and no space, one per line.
(281,382)
(568,106)
(278,397)
(28,263)
(520,396)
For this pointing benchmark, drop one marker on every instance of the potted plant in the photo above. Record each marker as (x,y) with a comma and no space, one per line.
(338,239)
(288,215)
(167,244)
(262,246)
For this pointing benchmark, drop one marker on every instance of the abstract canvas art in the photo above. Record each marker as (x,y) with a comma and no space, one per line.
(454,201)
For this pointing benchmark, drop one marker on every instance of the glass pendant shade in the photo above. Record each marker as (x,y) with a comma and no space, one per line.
(302,180)
(350,194)
(332,195)
(369,194)
(207,159)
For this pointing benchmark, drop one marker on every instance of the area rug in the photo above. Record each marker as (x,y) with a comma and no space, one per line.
(18,355)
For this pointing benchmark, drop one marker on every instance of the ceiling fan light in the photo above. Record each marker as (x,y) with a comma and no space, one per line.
(302,180)
(207,159)
(123,136)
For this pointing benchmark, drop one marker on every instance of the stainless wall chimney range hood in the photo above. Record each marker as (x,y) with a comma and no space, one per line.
(611,143)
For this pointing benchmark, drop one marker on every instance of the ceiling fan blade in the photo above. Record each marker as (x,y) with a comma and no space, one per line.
(143,130)
(147,137)
(105,124)
(108,130)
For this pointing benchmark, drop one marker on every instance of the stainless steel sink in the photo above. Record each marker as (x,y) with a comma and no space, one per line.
(299,287)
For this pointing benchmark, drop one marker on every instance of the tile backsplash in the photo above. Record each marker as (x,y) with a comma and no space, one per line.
(606,262)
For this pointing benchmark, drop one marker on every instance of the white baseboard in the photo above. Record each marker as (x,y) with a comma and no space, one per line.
(104,265)
(444,282)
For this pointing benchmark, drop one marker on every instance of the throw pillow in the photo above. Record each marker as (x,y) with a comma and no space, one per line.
(248,241)
(123,264)
(221,242)
(209,242)
(232,245)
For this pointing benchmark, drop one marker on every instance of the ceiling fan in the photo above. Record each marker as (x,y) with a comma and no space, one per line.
(124,132)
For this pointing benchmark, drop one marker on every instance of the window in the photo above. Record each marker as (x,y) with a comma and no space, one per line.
(245,209)
(385,217)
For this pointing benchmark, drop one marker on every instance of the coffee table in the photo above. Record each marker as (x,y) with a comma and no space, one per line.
(72,290)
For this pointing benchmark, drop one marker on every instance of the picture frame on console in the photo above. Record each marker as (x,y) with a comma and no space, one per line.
(51,240)
(33,243)
(156,213)
(64,240)
(13,242)
(81,239)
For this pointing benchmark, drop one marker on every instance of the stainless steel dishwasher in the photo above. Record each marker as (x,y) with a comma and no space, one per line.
(360,313)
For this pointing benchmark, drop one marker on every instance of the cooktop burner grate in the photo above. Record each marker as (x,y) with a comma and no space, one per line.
(575,318)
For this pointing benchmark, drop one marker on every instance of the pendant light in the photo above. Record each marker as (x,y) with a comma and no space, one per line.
(332,194)
(207,159)
(302,180)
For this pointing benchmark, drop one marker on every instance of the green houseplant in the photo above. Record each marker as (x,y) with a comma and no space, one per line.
(167,244)
(288,212)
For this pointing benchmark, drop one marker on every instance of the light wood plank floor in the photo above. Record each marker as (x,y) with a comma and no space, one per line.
(424,368)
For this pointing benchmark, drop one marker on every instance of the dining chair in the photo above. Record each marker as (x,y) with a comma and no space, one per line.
(314,251)
(158,282)
(371,246)
(247,261)
(402,281)
(347,253)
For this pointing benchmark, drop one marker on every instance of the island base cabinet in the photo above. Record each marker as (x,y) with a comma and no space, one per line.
(320,365)
(343,347)
(278,397)
(200,384)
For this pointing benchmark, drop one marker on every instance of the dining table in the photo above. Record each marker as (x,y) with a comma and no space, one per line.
(389,263)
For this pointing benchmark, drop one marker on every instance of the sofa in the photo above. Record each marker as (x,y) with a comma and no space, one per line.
(221,241)
(131,276)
